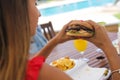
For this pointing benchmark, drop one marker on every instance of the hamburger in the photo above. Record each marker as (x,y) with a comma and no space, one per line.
(83,30)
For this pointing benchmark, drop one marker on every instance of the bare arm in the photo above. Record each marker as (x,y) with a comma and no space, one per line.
(114,60)
(102,41)
(46,50)
(48,72)
(59,38)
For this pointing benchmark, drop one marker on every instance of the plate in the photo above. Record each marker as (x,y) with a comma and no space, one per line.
(84,72)
(65,63)
(78,64)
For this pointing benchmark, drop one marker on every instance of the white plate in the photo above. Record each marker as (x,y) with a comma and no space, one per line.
(75,61)
(78,64)
(84,72)
(81,71)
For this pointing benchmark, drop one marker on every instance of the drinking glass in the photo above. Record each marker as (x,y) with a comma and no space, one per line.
(81,46)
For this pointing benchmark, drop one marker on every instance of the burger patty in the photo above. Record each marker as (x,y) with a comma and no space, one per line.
(79,27)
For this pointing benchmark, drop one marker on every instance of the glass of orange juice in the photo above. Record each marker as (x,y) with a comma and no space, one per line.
(81,46)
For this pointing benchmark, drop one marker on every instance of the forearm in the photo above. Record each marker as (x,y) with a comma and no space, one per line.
(46,50)
(112,56)
(114,60)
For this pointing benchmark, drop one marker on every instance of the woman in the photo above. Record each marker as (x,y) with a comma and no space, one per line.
(18,21)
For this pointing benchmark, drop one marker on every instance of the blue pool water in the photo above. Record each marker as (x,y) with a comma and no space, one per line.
(73,6)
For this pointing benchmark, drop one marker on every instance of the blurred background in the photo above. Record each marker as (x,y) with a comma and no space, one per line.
(59,12)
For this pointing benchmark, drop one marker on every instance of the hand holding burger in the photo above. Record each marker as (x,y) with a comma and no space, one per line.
(80,29)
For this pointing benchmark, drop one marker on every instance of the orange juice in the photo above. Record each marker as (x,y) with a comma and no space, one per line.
(80,45)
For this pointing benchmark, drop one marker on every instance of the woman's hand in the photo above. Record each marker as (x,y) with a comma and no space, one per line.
(61,36)
(100,39)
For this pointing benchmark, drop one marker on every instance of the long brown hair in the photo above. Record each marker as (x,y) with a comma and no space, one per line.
(14,39)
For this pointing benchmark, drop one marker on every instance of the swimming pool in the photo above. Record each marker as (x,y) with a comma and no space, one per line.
(72,6)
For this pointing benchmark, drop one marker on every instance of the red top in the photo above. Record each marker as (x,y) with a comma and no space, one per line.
(33,68)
